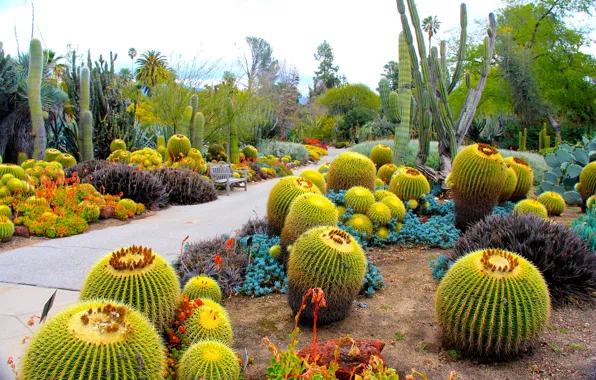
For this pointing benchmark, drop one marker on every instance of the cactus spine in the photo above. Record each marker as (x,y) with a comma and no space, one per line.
(433,87)
(35,108)
(233,151)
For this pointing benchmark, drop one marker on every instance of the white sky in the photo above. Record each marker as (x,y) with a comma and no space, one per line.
(363,33)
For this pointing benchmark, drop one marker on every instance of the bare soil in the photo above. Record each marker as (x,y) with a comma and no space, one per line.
(402,316)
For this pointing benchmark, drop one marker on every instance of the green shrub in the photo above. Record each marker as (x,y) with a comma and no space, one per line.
(282,148)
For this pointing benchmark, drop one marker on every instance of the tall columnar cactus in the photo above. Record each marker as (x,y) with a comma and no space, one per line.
(84,104)
(87,128)
(194,105)
(234,152)
(523,138)
(543,139)
(34,87)
(433,86)
(199,130)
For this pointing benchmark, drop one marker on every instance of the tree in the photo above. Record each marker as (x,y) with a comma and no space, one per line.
(343,99)
(431,26)
(132,53)
(152,68)
(260,61)
(391,72)
(326,75)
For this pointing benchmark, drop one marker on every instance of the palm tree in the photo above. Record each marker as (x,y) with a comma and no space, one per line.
(152,68)
(132,53)
(431,26)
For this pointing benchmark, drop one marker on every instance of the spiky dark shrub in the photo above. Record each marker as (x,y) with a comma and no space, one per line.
(565,260)
(254,226)
(140,186)
(198,258)
(185,187)
(87,168)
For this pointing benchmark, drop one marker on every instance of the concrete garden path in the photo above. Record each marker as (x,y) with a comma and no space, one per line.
(29,275)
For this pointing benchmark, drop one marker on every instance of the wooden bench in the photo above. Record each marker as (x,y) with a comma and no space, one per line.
(222,175)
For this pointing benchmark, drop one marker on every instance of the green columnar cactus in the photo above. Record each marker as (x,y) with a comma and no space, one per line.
(104,340)
(87,125)
(281,197)
(199,128)
(543,139)
(492,304)
(34,94)
(523,138)
(478,177)
(351,169)
(194,105)
(307,211)
(200,287)
(234,152)
(433,85)
(330,259)
(208,360)
(138,277)
(84,105)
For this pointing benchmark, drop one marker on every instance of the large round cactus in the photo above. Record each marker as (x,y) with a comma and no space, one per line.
(201,287)
(137,277)
(307,211)
(386,172)
(6,228)
(379,213)
(351,169)
(95,340)
(250,152)
(316,178)
(15,170)
(359,199)
(281,197)
(209,323)
(477,180)
(330,259)
(178,146)
(409,184)
(381,154)
(587,181)
(530,206)
(509,186)
(554,202)
(525,177)
(492,303)
(210,361)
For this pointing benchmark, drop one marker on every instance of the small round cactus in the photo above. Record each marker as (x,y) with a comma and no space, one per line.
(509,186)
(396,206)
(129,204)
(209,323)
(330,259)
(6,211)
(408,183)
(15,170)
(361,224)
(386,172)
(89,211)
(281,197)
(590,202)
(381,155)
(307,211)
(6,228)
(381,194)
(341,210)
(52,154)
(250,152)
(104,339)
(316,178)
(208,360)
(379,213)
(351,169)
(67,160)
(275,251)
(531,206)
(201,287)
(379,182)
(554,202)
(359,199)
(492,303)
(382,233)
(137,277)
(117,144)
(525,177)
(324,168)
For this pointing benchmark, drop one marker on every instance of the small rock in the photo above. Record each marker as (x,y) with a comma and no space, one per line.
(154,207)
(363,305)
(21,231)
(106,212)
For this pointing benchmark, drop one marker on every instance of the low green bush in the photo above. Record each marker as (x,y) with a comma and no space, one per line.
(282,148)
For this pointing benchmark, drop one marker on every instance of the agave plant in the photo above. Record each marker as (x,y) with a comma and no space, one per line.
(566,164)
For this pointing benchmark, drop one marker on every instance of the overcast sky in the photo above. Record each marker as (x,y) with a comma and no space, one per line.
(363,33)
